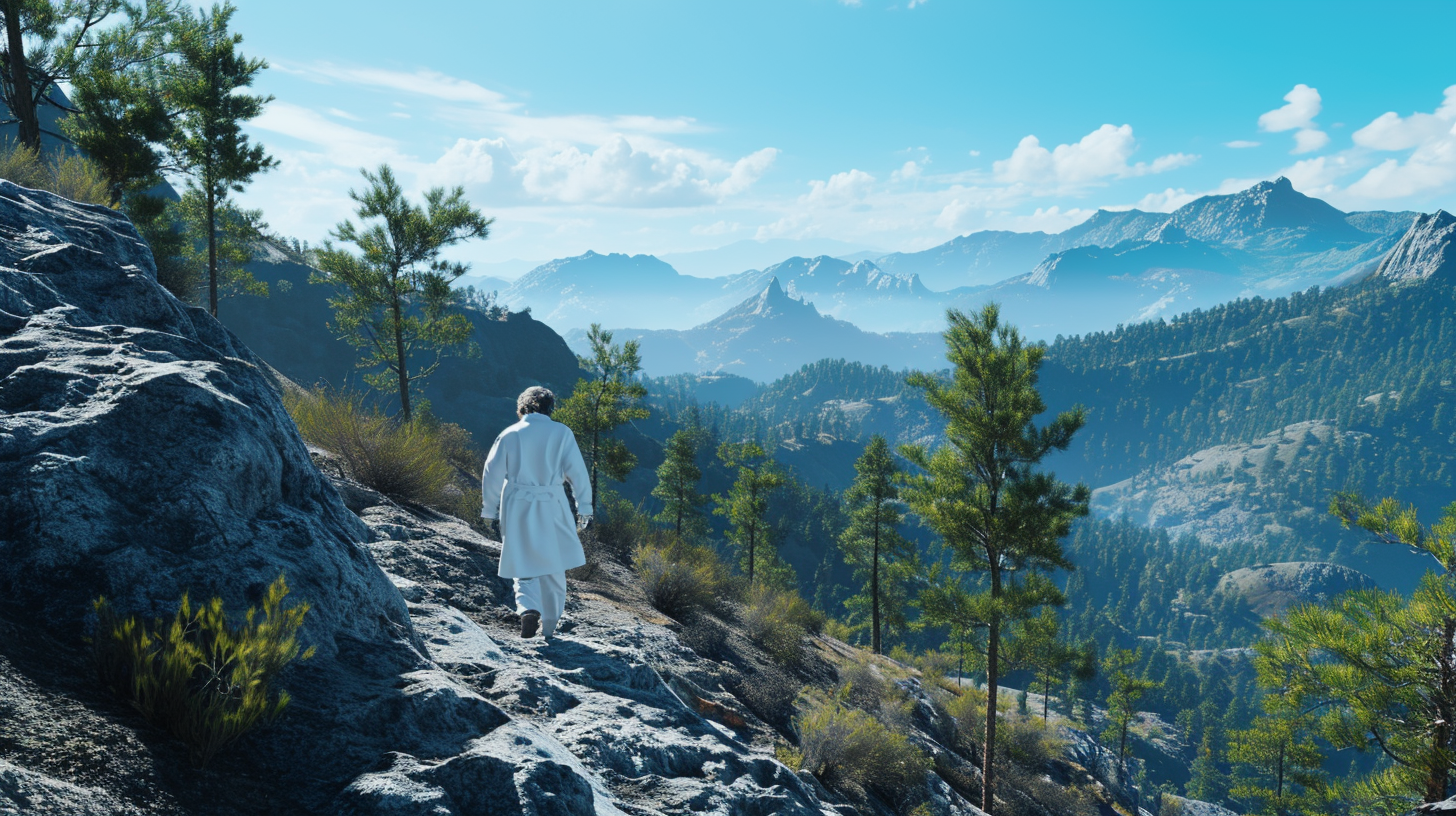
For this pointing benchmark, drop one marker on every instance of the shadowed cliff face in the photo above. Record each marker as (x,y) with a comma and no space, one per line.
(290,330)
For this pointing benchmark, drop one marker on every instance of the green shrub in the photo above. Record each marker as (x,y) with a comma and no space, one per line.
(403,461)
(777,620)
(679,578)
(67,175)
(201,679)
(851,751)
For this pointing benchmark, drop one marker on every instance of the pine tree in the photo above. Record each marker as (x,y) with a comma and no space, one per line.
(1378,668)
(597,406)
(883,559)
(208,139)
(51,43)
(1279,765)
(677,483)
(1122,703)
(393,300)
(746,505)
(1035,644)
(981,491)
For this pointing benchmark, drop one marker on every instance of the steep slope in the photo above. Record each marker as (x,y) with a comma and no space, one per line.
(1082,289)
(769,335)
(1271,215)
(861,293)
(144,452)
(1427,249)
(290,330)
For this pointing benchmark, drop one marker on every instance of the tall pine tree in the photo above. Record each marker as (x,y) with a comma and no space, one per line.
(677,482)
(393,299)
(208,138)
(597,406)
(746,505)
(883,559)
(981,491)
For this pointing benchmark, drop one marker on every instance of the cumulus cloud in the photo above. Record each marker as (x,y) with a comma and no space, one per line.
(1240,144)
(839,190)
(1301,106)
(1101,154)
(1431,163)
(618,173)
(909,171)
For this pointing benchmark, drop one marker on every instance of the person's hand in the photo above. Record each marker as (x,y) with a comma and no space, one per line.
(491,528)
(584,523)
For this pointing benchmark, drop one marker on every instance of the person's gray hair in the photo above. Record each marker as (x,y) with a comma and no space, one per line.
(535,400)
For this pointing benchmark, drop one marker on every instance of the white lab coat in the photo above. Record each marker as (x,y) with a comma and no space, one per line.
(522,487)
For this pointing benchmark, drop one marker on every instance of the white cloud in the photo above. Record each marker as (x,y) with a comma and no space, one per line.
(1240,144)
(617,173)
(343,115)
(909,171)
(342,145)
(1302,105)
(839,190)
(422,82)
(1309,140)
(854,3)
(975,152)
(913,3)
(1101,154)
(1391,132)
(1166,201)
(1431,165)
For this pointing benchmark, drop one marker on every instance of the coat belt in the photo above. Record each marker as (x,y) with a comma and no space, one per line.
(535,493)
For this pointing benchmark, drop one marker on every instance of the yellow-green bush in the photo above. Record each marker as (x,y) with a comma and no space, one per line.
(402,461)
(203,680)
(68,175)
(777,620)
(679,578)
(850,750)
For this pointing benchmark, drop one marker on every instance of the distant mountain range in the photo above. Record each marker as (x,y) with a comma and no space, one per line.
(1115,268)
(771,334)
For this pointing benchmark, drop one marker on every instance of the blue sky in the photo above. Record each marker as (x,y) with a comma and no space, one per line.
(676,126)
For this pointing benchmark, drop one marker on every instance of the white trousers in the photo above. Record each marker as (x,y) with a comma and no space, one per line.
(545,594)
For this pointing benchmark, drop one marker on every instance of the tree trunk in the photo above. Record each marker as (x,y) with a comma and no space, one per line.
(1279,783)
(875,591)
(1046,696)
(401,367)
(993,651)
(211,247)
(1436,781)
(24,102)
(596,439)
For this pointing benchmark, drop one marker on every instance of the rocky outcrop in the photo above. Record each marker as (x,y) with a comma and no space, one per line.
(143,452)
(1269,589)
(1426,249)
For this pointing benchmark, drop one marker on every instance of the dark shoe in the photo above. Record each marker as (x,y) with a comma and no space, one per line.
(530,621)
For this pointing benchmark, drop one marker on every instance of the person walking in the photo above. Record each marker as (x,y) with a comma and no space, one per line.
(524,501)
